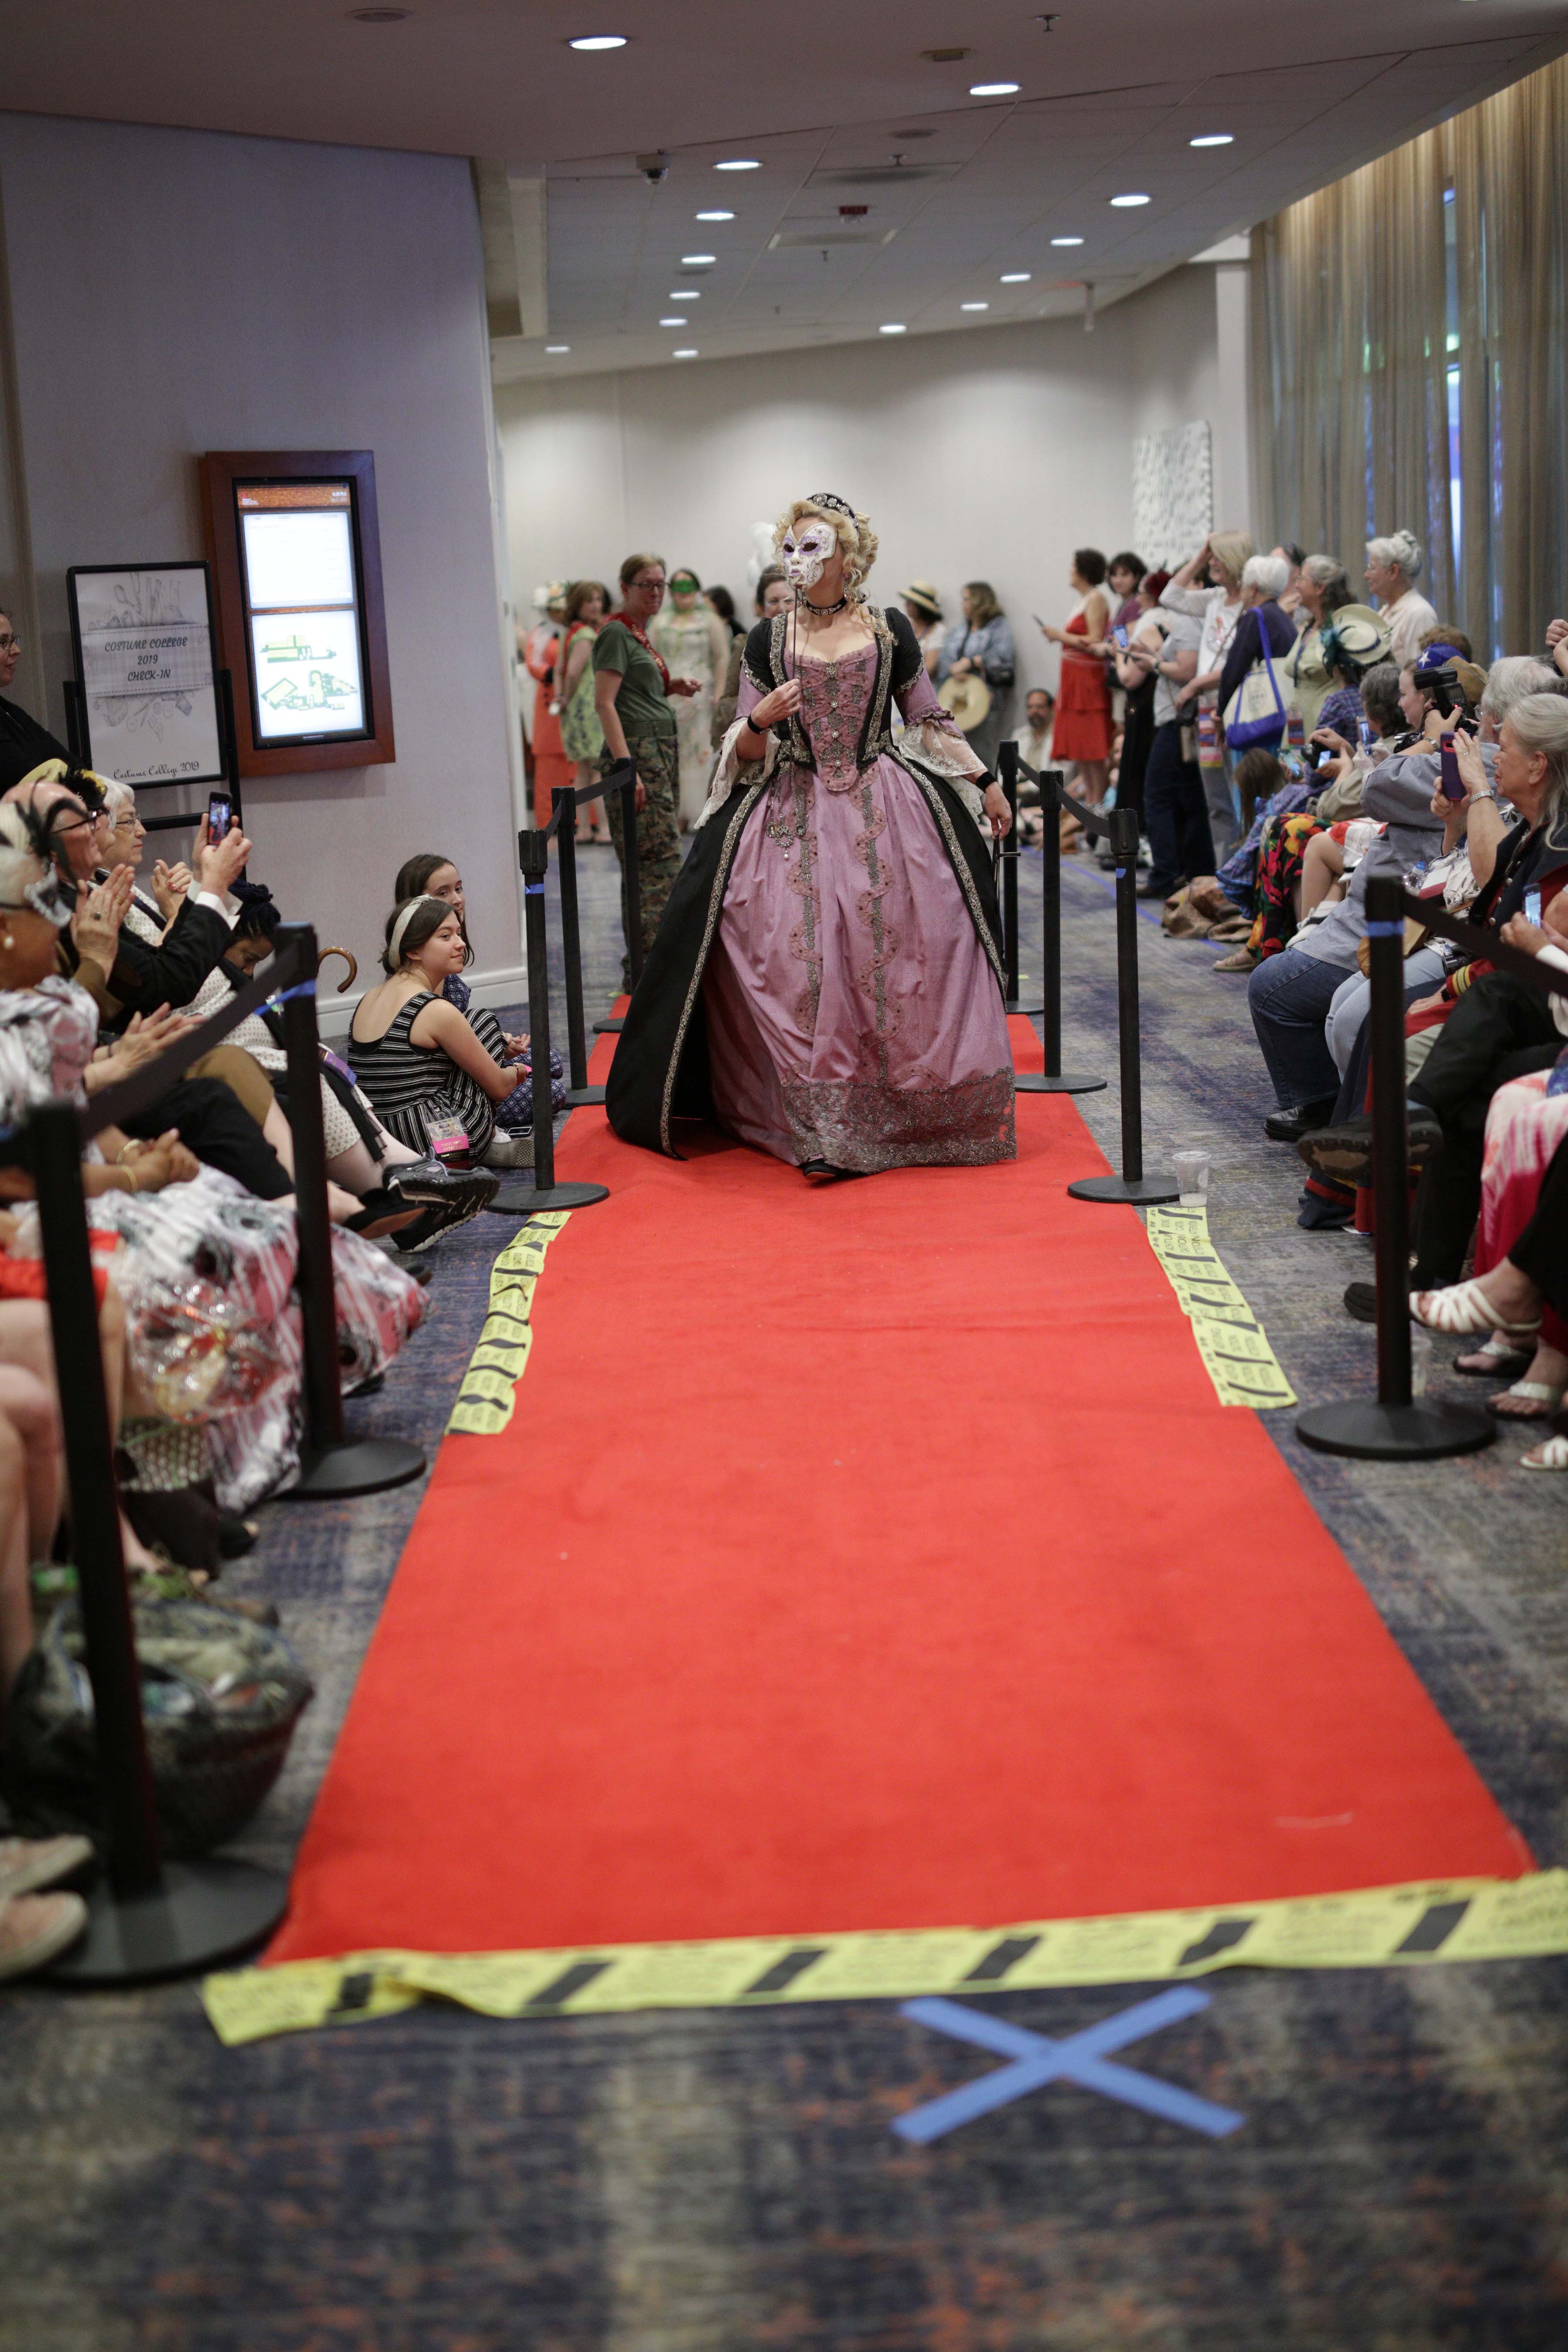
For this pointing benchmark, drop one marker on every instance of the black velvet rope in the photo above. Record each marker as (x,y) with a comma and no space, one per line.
(1057,795)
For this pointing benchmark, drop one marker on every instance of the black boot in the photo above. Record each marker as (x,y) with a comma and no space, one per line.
(1290,1126)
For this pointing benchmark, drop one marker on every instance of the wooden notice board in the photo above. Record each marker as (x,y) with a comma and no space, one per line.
(295,548)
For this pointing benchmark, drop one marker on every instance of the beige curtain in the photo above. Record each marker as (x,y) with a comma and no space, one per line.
(1431,285)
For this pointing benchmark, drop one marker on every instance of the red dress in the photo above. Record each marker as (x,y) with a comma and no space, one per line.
(552,770)
(1083,704)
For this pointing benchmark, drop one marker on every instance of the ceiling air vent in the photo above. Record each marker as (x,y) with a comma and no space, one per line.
(815,239)
(879,175)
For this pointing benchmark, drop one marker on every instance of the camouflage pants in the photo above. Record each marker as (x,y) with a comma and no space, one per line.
(657,760)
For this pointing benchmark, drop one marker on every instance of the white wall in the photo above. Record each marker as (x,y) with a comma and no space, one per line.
(173,292)
(989,455)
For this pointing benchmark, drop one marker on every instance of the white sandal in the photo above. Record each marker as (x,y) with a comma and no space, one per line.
(1552,1454)
(1546,1393)
(1465,1307)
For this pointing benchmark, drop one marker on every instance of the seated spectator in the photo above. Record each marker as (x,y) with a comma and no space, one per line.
(434,1074)
(1499,1028)
(431,876)
(1351,643)
(1393,567)
(1289,993)
(24,744)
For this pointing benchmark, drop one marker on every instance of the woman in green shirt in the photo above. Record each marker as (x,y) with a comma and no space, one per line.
(632,687)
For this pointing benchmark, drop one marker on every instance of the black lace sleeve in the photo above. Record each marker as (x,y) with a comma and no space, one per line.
(757,662)
(907,658)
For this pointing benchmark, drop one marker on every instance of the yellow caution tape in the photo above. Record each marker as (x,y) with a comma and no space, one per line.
(1381,1926)
(1232,1343)
(489,1393)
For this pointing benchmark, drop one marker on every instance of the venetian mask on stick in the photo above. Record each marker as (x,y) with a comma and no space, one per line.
(807,548)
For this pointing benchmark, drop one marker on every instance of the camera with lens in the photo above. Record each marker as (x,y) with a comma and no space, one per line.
(655,169)
(1447,694)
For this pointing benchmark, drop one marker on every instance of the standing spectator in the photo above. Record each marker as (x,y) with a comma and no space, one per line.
(1124,573)
(1393,566)
(980,645)
(1139,686)
(632,686)
(1176,812)
(723,604)
(695,644)
(1264,580)
(582,737)
(1321,588)
(541,650)
(1083,705)
(1220,561)
(919,602)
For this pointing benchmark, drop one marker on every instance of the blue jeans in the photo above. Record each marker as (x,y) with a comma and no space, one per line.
(1288,997)
(1175,814)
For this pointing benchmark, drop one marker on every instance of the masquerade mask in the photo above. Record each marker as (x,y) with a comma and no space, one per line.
(806,552)
(48,897)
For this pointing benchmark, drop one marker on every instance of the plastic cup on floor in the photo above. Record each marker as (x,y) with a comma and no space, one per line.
(1192,1178)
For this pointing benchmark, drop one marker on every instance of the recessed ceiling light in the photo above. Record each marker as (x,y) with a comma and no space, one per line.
(974,306)
(555,349)
(992,89)
(1213,139)
(1124,201)
(1067,240)
(677,321)
(1016,277)
(598,41)
(697,261)
(684,294)
(738,163)
(686,354)
(892,328)
(715,216)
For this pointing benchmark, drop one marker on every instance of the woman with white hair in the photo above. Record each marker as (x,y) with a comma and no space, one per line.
(1262,628)
(1393,567)
(1217,608)
(827,983)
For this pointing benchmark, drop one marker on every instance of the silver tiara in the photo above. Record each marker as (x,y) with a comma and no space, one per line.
(826,498)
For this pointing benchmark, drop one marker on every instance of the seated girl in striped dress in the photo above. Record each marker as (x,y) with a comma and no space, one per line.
(420,1060)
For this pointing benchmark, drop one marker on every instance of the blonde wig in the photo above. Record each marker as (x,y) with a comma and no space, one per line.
(852,530)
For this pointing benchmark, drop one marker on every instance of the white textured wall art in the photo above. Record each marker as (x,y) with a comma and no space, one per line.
(1172,494)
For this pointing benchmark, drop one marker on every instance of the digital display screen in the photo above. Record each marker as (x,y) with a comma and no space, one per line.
(304,610)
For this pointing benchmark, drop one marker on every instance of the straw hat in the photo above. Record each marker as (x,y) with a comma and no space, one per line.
(1364,635)
(966,698)
(922,592)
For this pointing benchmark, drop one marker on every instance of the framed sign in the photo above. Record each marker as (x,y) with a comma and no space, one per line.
(296,556)
(143,640)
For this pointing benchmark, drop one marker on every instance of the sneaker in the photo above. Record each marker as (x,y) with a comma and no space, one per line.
(510,1152)
(27,1864)
(1345,1151)
(36,1930)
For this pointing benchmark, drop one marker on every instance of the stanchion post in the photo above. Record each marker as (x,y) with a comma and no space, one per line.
(1131,1185)
(1053,1080)
(147,1920)
(533,855)
(1397,1426)
(1008,777)
(125,1777)
(331,1467)
(580,1095)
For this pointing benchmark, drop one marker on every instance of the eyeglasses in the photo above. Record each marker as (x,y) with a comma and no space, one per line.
(10,644)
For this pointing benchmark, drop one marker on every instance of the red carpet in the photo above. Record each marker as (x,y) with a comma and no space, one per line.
(869,1557)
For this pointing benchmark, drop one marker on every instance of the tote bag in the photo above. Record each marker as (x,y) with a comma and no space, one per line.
(1256,712)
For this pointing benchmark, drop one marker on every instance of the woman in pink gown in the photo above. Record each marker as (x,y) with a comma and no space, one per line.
(828,982)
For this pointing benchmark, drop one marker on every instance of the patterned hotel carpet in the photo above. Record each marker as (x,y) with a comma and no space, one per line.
(709,2182)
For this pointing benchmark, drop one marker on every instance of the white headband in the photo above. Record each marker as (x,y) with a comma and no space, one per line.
(394,945)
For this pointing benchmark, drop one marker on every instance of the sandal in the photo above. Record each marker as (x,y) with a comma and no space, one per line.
(1551,1455)
(1492,1362)
(1541,1397)
(1245,959)
(1465,1306)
